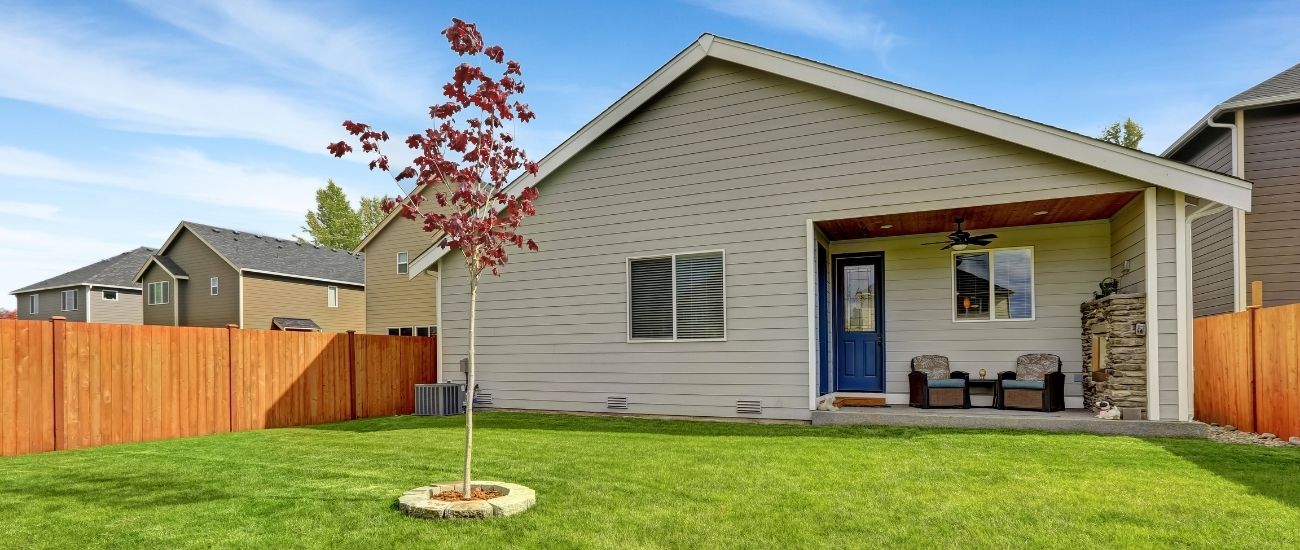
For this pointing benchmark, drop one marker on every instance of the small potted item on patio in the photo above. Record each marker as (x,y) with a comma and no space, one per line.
(1107,411)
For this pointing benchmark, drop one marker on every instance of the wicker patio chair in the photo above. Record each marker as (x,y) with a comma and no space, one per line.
(934,384)
(1036,384)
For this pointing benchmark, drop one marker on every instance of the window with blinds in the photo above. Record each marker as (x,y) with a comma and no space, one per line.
(993,285)
(677,297)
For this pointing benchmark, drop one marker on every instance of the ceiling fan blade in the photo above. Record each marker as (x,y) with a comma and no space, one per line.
(940,242)
(947,246)
(984,237)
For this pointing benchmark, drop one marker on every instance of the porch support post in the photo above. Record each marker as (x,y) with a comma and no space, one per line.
(811,267)
(1152,274)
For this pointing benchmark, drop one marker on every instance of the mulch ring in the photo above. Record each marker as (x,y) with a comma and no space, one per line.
(475,494)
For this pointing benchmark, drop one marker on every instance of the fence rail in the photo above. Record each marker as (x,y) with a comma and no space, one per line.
(1248,369)
(72,385)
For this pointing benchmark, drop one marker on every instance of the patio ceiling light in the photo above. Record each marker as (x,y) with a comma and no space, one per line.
(887,226)
(1040,213)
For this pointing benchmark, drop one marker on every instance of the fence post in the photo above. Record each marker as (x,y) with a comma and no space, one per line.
(352,374)
(231,365)
(1256,303)
(56,355)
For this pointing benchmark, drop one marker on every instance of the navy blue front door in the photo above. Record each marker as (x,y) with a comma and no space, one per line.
(859,323)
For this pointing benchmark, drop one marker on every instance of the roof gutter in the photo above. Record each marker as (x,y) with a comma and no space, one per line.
(1234,130)
(1238,106)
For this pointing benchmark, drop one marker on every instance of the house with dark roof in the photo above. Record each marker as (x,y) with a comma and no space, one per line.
(102,292)
(396,304)
(208,276)
(1255,136)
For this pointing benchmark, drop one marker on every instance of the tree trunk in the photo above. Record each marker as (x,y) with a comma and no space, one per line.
(466,489)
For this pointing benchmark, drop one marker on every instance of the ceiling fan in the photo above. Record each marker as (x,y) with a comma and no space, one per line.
(960,239)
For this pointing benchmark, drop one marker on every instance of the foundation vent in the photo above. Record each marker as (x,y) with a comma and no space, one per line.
(616,402)
(483,398)
(747,406)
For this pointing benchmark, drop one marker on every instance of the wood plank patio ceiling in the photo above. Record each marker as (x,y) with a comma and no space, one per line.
(978,218)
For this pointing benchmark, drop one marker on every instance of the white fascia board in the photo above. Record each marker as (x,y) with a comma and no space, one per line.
(427,259)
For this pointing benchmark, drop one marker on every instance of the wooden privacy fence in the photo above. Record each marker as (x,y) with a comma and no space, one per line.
(72,385)
(1248,370)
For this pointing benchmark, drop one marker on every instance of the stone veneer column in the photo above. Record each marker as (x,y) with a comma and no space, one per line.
(1121,378)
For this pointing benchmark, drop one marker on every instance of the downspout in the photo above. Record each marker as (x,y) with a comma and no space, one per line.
(1235,129)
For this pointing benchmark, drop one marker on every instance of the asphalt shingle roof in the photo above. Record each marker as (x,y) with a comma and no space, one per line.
(116,271)
(171,266)
(1283,83)
(262,253)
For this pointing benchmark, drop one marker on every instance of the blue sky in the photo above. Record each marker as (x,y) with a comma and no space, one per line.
(118,119)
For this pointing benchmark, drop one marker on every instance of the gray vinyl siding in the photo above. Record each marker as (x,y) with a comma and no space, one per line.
(1128,243)
(198,307)
(158,314)
(1069,260)
(1167,302)
(1211,236)
(127,309)
(51,302)
(727,158)
(1272,141)
(393,299)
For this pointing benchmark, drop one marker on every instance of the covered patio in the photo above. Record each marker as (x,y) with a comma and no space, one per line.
(1017,278)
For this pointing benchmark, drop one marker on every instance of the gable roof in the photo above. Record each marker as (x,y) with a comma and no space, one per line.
(252,252)
(167,264)
(419,188)
(1281,88)
(1055,141)
(111,272)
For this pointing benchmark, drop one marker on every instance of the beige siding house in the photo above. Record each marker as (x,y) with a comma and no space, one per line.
(102,292)
(209,276)
(747,231)
(1254,135)
(395,303)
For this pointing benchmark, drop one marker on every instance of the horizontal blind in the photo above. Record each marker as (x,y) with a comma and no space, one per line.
(700,309)
(651,297)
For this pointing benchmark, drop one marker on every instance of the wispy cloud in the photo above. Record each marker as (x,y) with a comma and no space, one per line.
(822,19)
(36,211)
(355,59)
(184,174)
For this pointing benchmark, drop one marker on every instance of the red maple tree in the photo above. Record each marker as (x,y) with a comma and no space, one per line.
(469,157)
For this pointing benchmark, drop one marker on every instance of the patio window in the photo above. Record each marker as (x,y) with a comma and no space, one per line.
(993,285)
(677,297)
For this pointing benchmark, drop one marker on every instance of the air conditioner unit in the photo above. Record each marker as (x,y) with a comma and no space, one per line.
(439,399)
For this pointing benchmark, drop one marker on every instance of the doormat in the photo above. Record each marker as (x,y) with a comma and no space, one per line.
(860,402)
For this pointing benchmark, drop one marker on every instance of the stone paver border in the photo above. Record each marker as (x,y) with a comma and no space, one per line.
(514,499)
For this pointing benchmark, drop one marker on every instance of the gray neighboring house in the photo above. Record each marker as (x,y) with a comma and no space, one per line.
(102,292)
(747,231)
(1254,135)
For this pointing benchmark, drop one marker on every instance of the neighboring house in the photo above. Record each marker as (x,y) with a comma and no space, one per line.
(1254,135)
(708,241)
(396,304)
(206,276)
(102,292)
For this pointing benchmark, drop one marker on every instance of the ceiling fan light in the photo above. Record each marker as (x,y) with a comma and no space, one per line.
(959,246)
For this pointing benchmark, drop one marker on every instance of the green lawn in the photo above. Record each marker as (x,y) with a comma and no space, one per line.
(626,483)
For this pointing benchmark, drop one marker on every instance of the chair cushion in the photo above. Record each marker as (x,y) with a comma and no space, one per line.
(949,383)
(934,366)
(1035,366)
(1022,384)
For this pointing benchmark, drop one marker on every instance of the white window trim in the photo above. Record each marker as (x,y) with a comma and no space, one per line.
(214,286)
(1033,285)
(63,300)
(332,296)
(627,296)
(403,265)
(149,293)
(103,295)
(34,304)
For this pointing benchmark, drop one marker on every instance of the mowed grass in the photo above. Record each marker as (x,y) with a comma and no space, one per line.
(629,483)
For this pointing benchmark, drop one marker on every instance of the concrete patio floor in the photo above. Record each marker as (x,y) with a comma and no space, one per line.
(1069,420)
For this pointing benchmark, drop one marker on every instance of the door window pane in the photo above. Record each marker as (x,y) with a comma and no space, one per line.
(859,298)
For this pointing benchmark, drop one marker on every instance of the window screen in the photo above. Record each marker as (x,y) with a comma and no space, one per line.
(650,298)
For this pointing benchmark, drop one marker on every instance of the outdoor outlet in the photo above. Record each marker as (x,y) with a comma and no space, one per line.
(1140,329)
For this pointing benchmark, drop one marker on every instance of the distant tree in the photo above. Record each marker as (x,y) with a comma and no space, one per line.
(371,212)
(1128,133)
(334,223)
(8,313)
